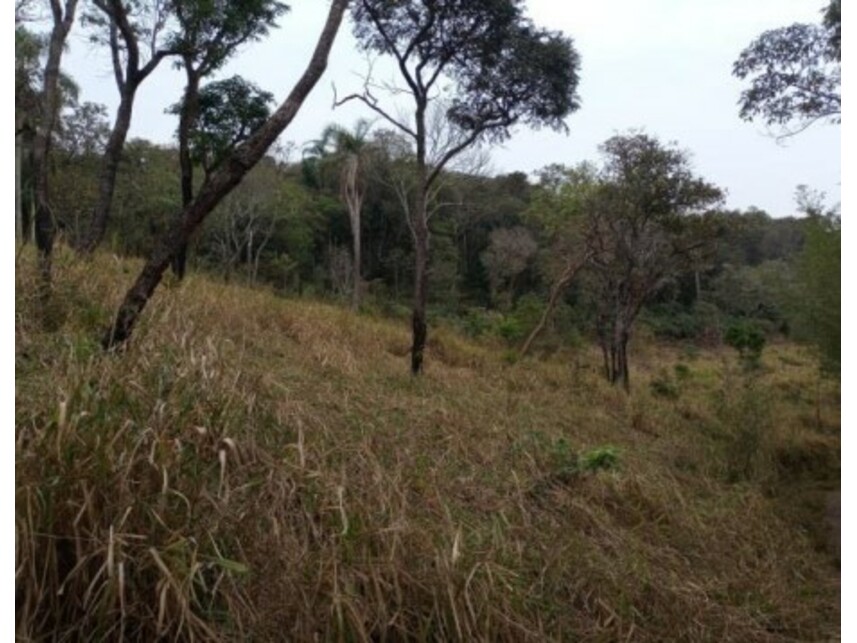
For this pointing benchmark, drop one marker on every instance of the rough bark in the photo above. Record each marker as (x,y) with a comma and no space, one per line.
(63,18)
(220,183)
(128,81)
(419,227)
(421,250)
(187,116)
(110,168)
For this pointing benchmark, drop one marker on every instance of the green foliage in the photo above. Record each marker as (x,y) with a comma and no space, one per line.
(229,111)
(794,72)
(820,282)
(566,462)
(504,70)
(511,329)
(748,339)
(676,322)
(604,458)
(744,420)
(211,32)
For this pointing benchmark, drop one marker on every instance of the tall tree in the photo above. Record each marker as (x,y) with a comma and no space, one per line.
(795,74)
(63,18)
(221,182)
(210,33)
(645,227)
(351,150)
(124,24)
(503,71)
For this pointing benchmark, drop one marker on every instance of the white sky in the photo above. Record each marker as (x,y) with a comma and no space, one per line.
(663,66)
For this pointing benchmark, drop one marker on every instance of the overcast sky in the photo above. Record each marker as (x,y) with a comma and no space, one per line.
(663,66)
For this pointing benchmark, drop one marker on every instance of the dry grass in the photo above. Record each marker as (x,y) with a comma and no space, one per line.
(261,469)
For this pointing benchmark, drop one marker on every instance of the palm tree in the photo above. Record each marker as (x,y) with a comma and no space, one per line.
(350,150)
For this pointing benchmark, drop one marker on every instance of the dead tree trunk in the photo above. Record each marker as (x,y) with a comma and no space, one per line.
(220,183)
(353,198)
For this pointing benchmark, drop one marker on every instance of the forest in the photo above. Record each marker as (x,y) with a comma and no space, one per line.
(367,388)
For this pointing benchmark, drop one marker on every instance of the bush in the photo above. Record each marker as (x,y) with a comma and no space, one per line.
(748,339)
(606,457)
(510,329)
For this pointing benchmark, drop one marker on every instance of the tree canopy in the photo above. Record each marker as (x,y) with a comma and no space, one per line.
(794,74)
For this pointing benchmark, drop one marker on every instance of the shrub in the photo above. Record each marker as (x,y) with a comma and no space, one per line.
(606,457)
(748,339)
(510,329)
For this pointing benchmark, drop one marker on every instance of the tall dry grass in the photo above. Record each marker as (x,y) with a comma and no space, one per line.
(262,469)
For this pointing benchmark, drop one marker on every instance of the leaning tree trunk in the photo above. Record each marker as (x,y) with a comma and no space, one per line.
(220,183)
(44,222)
(556,290)
(110,168)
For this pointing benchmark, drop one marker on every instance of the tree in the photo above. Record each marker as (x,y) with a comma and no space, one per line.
(209,34)
(228,112)
(147,195)
(63,18)
(79,140)
(503,72)
(220,183)
(795,74)
(819,273)
(352,151)
(559,208)
(644,227)
(124,24)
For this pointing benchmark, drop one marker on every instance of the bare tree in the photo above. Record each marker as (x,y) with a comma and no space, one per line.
(244,222)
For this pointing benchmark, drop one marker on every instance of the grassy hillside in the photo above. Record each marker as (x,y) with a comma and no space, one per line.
(262,469)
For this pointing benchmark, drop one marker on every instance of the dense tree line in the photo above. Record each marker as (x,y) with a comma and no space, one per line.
(593,250)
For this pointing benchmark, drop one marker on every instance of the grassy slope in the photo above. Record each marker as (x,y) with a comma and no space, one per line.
(255,468)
